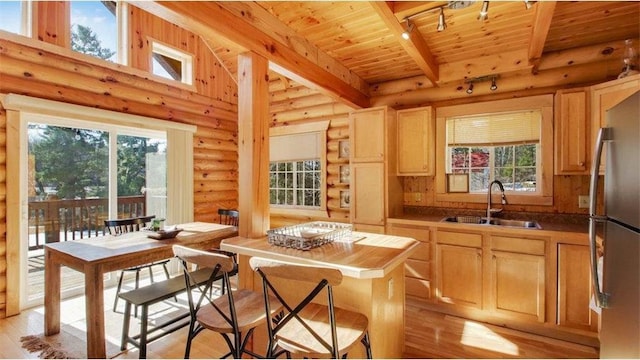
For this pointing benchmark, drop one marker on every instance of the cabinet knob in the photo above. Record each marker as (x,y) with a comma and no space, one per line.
(581,163)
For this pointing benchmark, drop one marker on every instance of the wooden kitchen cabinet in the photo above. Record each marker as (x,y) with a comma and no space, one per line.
(459,269)
(605,96)
(376,191)
(416,142)
(571,132)
(517,278)
(418,272)
(368,199)
(574,288)
(368,133)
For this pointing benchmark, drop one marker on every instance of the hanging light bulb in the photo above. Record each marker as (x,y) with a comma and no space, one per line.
(78,136)
(493,86)
(484,12)
(407,33)
(470,89)
(441,23)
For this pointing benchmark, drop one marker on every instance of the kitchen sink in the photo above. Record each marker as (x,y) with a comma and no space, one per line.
(524,224)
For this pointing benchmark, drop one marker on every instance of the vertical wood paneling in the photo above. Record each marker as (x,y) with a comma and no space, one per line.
(210,78)
(51,22)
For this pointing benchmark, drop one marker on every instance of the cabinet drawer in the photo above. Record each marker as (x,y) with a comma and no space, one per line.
(423,252)
(417,287)
(518,245)
(460,239)
(417,269)
(418,233)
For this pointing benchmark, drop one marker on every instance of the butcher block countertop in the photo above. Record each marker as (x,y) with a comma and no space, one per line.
(365,256)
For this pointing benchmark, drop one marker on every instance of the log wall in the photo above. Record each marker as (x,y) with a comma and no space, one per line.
(295,104)
(41,68)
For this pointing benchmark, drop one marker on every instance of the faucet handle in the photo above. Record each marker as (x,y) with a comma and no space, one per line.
(504,199)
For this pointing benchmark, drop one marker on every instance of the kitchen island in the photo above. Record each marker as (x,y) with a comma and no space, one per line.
(373,283)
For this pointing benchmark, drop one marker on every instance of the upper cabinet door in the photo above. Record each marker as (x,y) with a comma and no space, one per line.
(571,132)
(416,141)
(367,133)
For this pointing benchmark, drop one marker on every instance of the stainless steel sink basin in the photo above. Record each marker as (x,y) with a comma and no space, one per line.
(525,224)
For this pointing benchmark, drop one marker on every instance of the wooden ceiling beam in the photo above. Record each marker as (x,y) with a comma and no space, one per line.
(249,27)
(416,47)
(540,30)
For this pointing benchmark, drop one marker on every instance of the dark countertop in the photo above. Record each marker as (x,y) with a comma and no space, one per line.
(550,223)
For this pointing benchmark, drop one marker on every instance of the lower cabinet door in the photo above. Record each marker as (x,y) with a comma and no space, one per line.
(518,286)
(459,275)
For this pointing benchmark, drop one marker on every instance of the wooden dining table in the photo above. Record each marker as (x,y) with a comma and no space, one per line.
(96,256)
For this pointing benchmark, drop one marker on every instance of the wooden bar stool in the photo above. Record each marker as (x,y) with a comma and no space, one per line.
(308,329)
(234,314)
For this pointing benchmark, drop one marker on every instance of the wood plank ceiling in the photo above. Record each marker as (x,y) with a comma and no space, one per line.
(362,40)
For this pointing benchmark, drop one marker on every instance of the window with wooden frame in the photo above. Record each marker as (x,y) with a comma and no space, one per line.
(297,169)
(171,63)
(513,144)
(16,17)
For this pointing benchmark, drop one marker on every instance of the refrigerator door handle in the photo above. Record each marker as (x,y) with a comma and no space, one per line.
(601,298)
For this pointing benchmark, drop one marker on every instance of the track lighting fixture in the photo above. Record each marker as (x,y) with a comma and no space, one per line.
(441,23)
(470,88)
(407,33)
(479,79)
(484,12)
(493,86)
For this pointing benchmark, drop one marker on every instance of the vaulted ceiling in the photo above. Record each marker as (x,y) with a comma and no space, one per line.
(353,50)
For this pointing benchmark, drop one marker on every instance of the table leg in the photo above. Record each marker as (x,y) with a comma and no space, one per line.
(94,292)
(51,293)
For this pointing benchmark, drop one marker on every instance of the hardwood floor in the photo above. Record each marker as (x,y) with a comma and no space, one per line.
(427,335)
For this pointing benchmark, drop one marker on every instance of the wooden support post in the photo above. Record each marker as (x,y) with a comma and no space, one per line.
(253,145)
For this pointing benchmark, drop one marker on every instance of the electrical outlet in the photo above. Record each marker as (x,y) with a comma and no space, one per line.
(583,201)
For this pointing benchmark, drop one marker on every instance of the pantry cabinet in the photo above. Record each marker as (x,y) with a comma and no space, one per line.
(416,142)
(376,191)
(571,132)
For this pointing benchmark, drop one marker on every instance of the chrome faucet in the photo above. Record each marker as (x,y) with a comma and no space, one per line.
(503,200)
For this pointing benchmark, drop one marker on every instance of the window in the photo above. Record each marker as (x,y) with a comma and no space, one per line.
(171,63)
(15,17)
(297,168)
(94,28)
(491,147)
(512,144)
(295,183)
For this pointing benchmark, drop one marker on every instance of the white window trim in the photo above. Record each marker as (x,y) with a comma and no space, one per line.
(321,127)
(23,109)
(183,57)
(542,102)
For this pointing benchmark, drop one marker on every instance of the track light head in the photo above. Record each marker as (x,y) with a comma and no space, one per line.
(441,23)
(493,86)
(470,89)
(529,4)
(484,12)
(407,33)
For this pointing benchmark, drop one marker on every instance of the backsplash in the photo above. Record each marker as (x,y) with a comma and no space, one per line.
(574,219)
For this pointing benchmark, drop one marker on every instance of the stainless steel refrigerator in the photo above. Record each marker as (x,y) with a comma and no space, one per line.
(617,284)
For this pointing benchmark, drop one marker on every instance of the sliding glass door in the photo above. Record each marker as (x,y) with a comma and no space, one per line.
(80,174)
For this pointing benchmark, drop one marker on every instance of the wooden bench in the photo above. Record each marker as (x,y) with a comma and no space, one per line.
(152,294)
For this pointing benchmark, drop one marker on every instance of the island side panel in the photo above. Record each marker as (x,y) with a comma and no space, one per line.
(380,299)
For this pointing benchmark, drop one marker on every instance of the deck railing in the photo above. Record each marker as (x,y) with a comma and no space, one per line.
(64,220)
